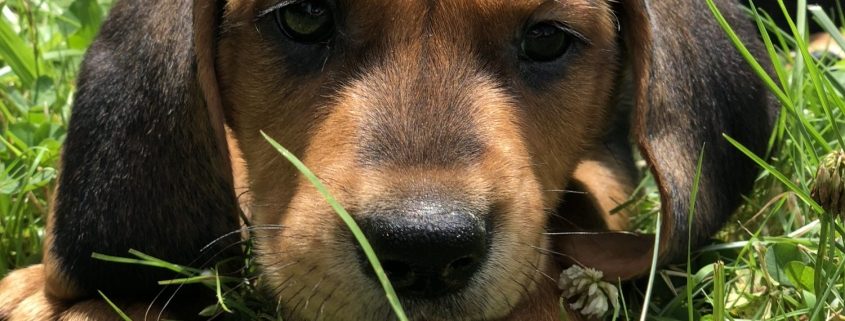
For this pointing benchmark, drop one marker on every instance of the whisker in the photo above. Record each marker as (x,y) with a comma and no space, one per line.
(525,291)
(591,233)
(327,299)
(566,191)
(278,268)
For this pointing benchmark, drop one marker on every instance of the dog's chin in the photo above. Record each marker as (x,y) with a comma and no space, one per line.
(495,294)
(490,302)
(453,307)
(469,306)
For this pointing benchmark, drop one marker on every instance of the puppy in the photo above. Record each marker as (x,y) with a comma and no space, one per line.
(466,138)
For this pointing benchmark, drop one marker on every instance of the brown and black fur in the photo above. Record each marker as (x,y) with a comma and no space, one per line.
(410,102)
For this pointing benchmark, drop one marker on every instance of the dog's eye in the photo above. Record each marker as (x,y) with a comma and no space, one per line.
(545,41)
(306,22)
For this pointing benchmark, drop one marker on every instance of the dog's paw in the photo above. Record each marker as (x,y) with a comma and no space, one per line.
(23,298)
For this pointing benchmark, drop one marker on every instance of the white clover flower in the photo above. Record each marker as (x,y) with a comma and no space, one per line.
(587,291)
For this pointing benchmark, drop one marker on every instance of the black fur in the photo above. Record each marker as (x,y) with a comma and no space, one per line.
(141,168)
(700,87)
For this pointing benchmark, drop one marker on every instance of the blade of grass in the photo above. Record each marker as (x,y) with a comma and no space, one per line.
(194,280)
(743,50)
(822,300)
(653,271)
(778,65)
(809,64)
(764,76)
(719,291)
(827,24)
(690,220)
(350,223)
(119,312)
(148,261)
(777,174)
(17,54)
(800,36)
(219,292)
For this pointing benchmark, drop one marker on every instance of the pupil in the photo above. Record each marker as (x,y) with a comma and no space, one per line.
(545,42)
(313,10)
(306,18)
(543,31)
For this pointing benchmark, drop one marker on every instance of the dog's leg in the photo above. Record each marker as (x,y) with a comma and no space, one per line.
(25,299)
(22,296)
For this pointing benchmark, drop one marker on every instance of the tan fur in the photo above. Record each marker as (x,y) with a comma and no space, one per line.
(93,310)
(56,283)
(609,188)
(517,133)
(25,299)
(823,43)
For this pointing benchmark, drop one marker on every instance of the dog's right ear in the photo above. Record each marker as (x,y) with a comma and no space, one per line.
(144,164)
(690,86)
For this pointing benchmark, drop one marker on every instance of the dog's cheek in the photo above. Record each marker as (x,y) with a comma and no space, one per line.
(260,96)
(570,118)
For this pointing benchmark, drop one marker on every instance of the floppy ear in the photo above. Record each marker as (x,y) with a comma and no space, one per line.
(145,164)
(691,86)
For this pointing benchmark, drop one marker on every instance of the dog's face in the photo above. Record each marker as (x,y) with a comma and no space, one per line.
(446,128)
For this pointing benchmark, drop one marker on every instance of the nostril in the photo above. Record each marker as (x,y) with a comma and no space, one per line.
(461,265)
(459,271)
(399,273)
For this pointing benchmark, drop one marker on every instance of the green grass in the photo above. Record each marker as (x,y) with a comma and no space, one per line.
(41,44)
(781,257)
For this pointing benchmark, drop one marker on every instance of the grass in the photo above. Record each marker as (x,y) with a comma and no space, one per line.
(780,258)
(41,45)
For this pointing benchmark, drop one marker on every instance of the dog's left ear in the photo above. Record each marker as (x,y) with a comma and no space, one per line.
(691,86)
(206,21)
(144,164)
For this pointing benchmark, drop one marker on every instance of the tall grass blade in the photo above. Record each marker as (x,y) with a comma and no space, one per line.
(690,220)
(114,307)
(777,174)
(764,76)
(652,274)
(350,223)
(17,54)
(719,291)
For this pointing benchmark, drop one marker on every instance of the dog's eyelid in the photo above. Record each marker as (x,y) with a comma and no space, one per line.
(571,31)
(557,23)
(563,26)
(555,12)
(277,6)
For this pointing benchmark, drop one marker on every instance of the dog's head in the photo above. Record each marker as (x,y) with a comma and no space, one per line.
(450,130)
(446,128)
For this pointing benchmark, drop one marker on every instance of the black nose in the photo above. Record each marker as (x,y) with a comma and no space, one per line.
(427,250)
